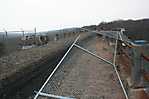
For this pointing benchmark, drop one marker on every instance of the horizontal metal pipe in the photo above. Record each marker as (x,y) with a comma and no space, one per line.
(54,96)
(93,54)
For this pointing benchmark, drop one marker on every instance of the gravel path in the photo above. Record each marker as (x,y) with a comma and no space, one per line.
(85,77)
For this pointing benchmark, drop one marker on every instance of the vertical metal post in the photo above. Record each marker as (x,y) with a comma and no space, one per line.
(35,36)
(114,65)
(115,51)
(6,34)
(35,31)
(23,37)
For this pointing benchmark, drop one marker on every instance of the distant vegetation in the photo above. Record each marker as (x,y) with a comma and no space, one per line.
(135,29)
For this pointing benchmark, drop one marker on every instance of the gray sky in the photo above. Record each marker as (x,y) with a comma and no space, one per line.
(56,14)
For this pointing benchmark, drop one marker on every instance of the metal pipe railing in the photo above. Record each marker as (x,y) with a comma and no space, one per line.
(54,96)
(93,54)
(114,65)
(56,68)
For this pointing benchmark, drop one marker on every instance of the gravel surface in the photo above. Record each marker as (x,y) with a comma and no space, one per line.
(85,77)
(24,71)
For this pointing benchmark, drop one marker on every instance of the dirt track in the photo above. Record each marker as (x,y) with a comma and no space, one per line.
(85,77)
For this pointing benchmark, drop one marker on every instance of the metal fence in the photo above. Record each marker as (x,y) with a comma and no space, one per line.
(52,85)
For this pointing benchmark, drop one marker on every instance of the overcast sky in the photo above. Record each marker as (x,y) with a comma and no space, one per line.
(56,14)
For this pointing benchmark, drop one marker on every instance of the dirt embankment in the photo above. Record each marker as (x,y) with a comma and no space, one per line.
(19,68)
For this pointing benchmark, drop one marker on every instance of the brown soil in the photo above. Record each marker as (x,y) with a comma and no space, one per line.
(85,77)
